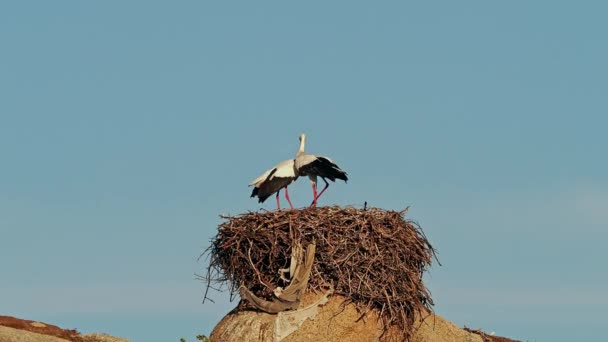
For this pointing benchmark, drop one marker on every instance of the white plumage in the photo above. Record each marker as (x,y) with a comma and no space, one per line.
(273,180)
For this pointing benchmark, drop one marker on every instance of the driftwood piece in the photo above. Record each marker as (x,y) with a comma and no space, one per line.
(296,256)
(290,297)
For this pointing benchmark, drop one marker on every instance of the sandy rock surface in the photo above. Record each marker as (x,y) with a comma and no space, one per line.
(13,329)
(17,335)
(334,322)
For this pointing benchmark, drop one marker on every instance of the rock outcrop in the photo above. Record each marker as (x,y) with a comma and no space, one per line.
(334,321)
(14,329)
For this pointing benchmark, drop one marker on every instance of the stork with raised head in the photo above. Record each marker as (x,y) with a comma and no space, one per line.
(273,180)
(315,166)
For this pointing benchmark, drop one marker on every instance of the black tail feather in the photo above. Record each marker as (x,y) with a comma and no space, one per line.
(261,196)
(261,199)
(328,169)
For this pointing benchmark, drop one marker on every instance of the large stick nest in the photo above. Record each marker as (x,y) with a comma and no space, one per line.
(373,257)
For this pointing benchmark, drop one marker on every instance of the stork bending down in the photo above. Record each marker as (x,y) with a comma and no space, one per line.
(273,180)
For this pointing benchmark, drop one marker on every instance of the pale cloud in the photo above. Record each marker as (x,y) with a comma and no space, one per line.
(591,203)
(582,206)
(167,297)
(523,297)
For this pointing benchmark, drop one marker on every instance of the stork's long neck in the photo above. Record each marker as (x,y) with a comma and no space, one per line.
(301,149)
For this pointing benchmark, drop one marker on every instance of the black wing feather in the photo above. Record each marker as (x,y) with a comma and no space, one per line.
(325,168)
(270,186)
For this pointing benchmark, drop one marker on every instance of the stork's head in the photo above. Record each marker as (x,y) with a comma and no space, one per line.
(302,142)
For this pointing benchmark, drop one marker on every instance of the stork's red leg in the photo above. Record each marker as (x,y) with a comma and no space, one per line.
(287,196)
(278,203)
(325,188)
(320,193)
(314,194)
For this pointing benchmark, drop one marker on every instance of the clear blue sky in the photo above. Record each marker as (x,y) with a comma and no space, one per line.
(126,128)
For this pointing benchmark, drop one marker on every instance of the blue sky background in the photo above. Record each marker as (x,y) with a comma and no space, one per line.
(126,128)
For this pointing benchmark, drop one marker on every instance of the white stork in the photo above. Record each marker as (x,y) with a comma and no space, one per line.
(273,180)
(316,166)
